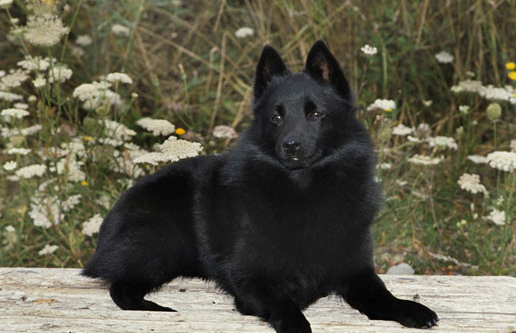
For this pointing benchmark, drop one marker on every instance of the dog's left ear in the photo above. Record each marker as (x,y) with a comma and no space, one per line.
(321,65)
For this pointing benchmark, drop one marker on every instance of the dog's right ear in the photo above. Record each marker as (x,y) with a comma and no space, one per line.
(270,65)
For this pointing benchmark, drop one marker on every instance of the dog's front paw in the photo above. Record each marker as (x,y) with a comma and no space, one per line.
(291,325)
(412,314)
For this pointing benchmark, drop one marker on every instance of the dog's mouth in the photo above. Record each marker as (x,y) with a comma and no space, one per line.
(293,162)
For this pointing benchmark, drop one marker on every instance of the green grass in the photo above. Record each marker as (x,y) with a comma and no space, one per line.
(420,218)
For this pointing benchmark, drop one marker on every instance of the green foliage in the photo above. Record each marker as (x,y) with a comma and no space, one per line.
(188,67)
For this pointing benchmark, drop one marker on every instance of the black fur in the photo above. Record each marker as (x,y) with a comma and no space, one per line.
(278,222)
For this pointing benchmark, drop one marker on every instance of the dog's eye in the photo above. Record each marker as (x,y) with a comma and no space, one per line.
(314,115)
(276,118)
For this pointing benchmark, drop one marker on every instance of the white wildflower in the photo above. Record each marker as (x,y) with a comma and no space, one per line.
(117,130)
(92,226)
(153,158)
(120,30)
(385,166)
(119,77)
(104,201)
(428,103)
(423,130)
(478,159)
(173,149)
(5,3)
(44,30)
(442,142)
(402,130)
(176,148)
(31,171)
(413,139)
(464,109)
(35,64)
(95,93)
(468,86)
(7,132)
(382,104)
(10,238)
(31,130)
(12,178)
(13,113)
(10,97)
(71,202)
(44,7)
(488,92)
(502,160)
(156,126)
(369,50)
(60,72)
(110,141)
(86,91)
(74,148)
(32,99)
(14,79)
(471,183)
(244,32)
(18,151)
(444,57)
(48,249)
(71,169)
(424,160)
(500,94)
(83,40)
(224,132)
(39,81)
(21,106)
(9,166)
(44,211)
(496,216)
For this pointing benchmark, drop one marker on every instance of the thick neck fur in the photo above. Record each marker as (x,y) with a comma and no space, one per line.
(351,157)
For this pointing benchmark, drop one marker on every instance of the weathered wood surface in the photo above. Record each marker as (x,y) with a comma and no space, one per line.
(59,300)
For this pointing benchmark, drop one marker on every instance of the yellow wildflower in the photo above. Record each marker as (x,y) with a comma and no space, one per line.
(512,76)
(88,138)
(180,131)
(510,66)
(84,183)
(388,110)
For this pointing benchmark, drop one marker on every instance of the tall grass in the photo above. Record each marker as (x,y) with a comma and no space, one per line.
(188,66)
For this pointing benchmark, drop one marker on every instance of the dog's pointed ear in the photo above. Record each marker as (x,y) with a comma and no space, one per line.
(270,65)
(321,65)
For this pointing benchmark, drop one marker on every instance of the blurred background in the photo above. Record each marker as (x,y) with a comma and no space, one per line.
(435,88)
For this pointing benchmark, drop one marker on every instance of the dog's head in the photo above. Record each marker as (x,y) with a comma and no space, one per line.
(301,117)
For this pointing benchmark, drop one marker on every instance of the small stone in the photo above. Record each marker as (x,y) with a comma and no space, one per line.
(401,269)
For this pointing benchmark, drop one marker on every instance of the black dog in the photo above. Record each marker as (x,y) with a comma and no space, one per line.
(278,222)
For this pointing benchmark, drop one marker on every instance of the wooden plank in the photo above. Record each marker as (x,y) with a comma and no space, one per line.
(59,300)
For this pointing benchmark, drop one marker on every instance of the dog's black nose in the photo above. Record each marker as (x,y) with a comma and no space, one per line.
(291,146)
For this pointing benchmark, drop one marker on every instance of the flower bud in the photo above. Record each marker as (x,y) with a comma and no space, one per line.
(494,111)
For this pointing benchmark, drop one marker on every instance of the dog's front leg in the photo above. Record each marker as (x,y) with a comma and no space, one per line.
(367,293)
(259,298)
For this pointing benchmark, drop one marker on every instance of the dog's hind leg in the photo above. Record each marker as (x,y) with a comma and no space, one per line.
(129,296)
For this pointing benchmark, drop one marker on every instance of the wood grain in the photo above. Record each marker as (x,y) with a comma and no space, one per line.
(59,300)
